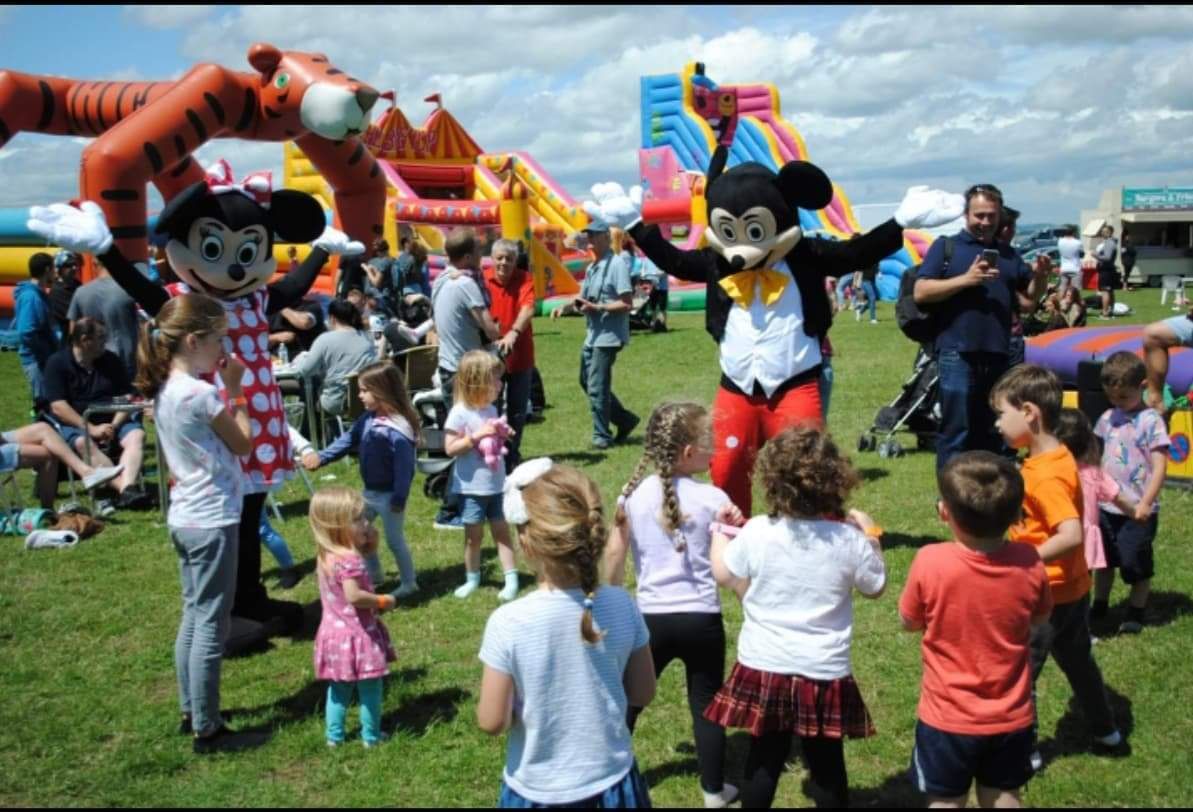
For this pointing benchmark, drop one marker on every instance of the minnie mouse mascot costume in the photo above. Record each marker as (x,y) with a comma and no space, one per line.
(766,306)
(221,235)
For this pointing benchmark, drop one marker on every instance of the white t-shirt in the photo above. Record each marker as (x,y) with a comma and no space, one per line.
(1070,254)
(470,474)
(799,607)
(669,580)
(208,483)
(569,740)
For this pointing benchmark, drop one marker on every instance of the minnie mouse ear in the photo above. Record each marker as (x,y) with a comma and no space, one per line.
(805,185)
(176,217)
(296,216)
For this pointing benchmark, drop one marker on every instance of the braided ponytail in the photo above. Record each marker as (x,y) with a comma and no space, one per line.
(588,560)
(671,427)
(631,486)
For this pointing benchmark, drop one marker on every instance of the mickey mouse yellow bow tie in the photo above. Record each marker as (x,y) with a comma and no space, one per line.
(740,286)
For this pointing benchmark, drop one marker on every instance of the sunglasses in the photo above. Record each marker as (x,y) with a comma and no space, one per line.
(984,189)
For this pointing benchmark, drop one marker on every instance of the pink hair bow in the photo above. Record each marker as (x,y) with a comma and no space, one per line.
(257,186)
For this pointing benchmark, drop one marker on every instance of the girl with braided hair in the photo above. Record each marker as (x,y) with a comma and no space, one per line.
(664,516)
(565,662)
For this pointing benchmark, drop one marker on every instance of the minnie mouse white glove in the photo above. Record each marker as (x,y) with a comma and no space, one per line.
(83,230)
(614,206)
(334,241)
(927,208)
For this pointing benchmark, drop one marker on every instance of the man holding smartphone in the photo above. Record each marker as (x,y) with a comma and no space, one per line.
(605,300)
(974,290)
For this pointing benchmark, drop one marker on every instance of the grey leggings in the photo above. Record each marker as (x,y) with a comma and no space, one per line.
(207,568)
(393,523)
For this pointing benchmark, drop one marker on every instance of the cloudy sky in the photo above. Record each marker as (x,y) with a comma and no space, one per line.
(1053,104)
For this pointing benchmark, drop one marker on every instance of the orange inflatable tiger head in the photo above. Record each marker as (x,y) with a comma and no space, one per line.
(304,92)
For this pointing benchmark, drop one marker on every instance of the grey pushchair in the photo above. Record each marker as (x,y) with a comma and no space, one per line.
(916,409)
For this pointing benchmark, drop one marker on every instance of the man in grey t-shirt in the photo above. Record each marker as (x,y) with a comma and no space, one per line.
(105,301)
(604,299)
(461,312)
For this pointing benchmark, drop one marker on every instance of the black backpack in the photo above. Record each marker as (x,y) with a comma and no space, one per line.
(917,323)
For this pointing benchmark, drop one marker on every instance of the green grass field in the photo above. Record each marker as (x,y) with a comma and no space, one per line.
(88,711)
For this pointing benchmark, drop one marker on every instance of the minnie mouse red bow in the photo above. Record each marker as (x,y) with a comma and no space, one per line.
(257,186)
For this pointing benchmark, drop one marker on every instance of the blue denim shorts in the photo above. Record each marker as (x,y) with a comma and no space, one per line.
(1182,326)
(70,433)
(10,456)
(476,509)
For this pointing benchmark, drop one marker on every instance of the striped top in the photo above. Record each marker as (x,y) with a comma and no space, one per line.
(569,740)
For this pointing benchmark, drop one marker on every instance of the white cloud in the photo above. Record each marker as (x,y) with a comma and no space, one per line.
(163,17)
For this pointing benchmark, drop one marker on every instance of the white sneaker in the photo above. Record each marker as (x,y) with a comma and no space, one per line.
(1037,761)
(722,799)
(101,476)
(874,321)
(1112,739)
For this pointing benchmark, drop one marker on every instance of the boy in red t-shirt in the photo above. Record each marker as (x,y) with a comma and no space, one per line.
(976,599)
(1027,400)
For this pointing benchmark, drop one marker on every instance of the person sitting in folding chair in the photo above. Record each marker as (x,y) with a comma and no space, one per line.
(39,448)
(85,374)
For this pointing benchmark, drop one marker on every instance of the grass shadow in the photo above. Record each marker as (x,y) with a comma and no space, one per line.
(890,540)
(1073,735)
(309,701)
(895,792)
(687,767)
(417,714)
(579,457)
(442,581)
(1163,608)
(872,474)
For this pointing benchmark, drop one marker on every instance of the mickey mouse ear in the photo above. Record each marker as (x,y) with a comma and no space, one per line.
(805,185)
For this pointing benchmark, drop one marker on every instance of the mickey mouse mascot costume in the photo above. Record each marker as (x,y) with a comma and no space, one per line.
(221,235)
(766,305)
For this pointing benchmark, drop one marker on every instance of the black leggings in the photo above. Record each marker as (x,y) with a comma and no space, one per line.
(824,758)
(250,600)
(698,640)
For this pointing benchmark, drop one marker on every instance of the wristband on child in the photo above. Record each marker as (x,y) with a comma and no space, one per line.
(874,532)
(385,602)
(724,529)
(240,401)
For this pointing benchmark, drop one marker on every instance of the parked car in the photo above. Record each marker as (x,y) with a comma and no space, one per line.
(1051,251)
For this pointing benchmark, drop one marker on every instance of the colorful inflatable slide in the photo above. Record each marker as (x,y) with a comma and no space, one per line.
(677,144)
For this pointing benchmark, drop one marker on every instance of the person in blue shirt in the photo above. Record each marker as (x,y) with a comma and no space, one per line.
(34,323)
(974,328)
(385,437)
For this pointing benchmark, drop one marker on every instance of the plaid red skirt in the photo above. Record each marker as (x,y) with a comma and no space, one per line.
(762,702)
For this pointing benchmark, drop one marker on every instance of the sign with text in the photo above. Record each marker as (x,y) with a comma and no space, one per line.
(1157,199)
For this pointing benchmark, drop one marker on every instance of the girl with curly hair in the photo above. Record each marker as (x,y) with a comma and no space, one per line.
(664,516)
(795,570)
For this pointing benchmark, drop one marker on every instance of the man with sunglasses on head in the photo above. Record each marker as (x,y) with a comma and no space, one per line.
(974,291)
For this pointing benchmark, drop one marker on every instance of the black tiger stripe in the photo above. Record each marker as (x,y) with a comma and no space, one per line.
(197,123)
(334,71)
(215,106)
(119,101)
(155,157)
(142,98)
(99,107)
(179,146)
(129,232)
(375,170)
(182,167)
(250,108)
(86,109)
(356,154)
(318,59)
(120,194)
(47,105)
(270,113)
(354,80)
(5,133)
(71,112)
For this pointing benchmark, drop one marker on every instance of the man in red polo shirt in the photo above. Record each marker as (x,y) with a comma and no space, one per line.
(511,292)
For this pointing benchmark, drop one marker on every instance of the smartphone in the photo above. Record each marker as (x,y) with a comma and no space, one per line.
(990,257)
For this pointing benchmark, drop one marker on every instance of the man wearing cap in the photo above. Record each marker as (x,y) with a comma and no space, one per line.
(66,282)
(605,299)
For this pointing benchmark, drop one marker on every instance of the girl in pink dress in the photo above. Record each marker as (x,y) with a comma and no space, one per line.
(1074,430)
(352,648)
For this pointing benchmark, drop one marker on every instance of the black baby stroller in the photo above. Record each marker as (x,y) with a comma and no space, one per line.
(915,409)
(648,309)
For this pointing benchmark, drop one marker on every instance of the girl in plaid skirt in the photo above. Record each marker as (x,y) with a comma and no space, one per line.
(795,570)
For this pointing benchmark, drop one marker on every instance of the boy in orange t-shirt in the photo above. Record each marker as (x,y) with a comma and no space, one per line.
(976,599)
(1027,400)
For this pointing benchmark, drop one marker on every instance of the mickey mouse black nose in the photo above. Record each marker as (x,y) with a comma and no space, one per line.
(738,262)
(236,273)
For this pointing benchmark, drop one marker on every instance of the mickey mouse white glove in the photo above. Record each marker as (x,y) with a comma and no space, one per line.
(927,208)
(614,206)
(334,241)
(83,230)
